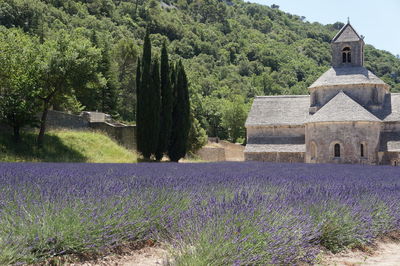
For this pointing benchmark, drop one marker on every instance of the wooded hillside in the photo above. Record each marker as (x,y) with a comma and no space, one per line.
(232,51)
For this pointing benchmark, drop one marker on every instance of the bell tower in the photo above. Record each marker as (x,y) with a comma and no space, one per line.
(347,48)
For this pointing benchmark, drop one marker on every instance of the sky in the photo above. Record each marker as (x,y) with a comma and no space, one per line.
(378,21)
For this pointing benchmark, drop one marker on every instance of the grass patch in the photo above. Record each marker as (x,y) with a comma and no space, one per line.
(65,146)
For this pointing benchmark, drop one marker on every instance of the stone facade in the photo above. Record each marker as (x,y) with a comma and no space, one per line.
(349,135)
(349,117)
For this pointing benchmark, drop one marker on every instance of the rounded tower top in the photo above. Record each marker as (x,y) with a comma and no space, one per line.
(347,48)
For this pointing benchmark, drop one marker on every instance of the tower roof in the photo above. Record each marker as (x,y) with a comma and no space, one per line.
(341,76)
(347,34)
(342,109)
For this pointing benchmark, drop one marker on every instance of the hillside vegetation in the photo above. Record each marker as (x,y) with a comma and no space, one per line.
(232,51)
(65,146)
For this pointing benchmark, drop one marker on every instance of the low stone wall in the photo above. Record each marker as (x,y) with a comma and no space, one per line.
(278,157)
(233,151)
(221,151)
(56,119)
(125,135)
(213,154)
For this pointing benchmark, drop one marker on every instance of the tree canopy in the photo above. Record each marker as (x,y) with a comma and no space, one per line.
(231,50)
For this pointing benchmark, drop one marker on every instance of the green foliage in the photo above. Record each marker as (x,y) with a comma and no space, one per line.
(18,73)
(180,116)
(166,105)
(233,118)
(65,146)
(68,62)
(197,136)
(148,109)
(228,48)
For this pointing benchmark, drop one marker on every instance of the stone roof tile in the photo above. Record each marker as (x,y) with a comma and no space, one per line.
(351,75)
(279,110)
(342,108)
(347,34)
(394,112)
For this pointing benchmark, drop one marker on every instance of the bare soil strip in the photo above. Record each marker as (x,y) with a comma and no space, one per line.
(385,252)
(148,256)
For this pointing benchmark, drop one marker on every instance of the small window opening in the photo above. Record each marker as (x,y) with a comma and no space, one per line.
(362,150)
(394,163)
(337,150)
(346,55)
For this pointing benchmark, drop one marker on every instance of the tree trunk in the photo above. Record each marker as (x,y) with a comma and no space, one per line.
(43,124)
(17,136)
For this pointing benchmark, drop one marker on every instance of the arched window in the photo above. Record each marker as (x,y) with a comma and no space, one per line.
(313,150)
(362,150)
(346,55)
(337,150)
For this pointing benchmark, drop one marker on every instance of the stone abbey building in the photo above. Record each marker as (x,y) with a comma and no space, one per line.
(350,116)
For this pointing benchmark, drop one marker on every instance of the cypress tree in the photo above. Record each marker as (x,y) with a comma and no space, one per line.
(138,104)
(154,109)
(144,123)
(180,116)
(166,105)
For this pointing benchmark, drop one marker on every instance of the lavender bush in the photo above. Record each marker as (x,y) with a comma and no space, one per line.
(214,213)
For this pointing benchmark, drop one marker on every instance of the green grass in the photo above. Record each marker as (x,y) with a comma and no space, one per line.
(65,146)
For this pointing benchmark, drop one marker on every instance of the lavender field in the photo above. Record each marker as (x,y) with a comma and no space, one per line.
(207,213)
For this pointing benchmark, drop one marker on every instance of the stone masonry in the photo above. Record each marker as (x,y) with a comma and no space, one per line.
(350,115)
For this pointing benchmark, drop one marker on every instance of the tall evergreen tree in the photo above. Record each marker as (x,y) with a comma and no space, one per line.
(166,105)
(180,116)
(144,122)
(153,109)
(138,104)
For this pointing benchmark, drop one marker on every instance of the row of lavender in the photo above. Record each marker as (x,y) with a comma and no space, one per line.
(215,214)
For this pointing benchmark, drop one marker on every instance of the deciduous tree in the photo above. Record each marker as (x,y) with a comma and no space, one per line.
(18,84)
(68,63)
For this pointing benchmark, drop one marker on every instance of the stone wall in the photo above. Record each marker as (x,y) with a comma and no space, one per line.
(349,135)
(212,154)
(357,53)
(278,157)
(56,119)
(391,126)
(275,134)
(125,135)
(233,151)
(365,95)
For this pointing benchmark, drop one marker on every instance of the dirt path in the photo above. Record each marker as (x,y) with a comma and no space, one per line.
(385,254)
(148,256)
